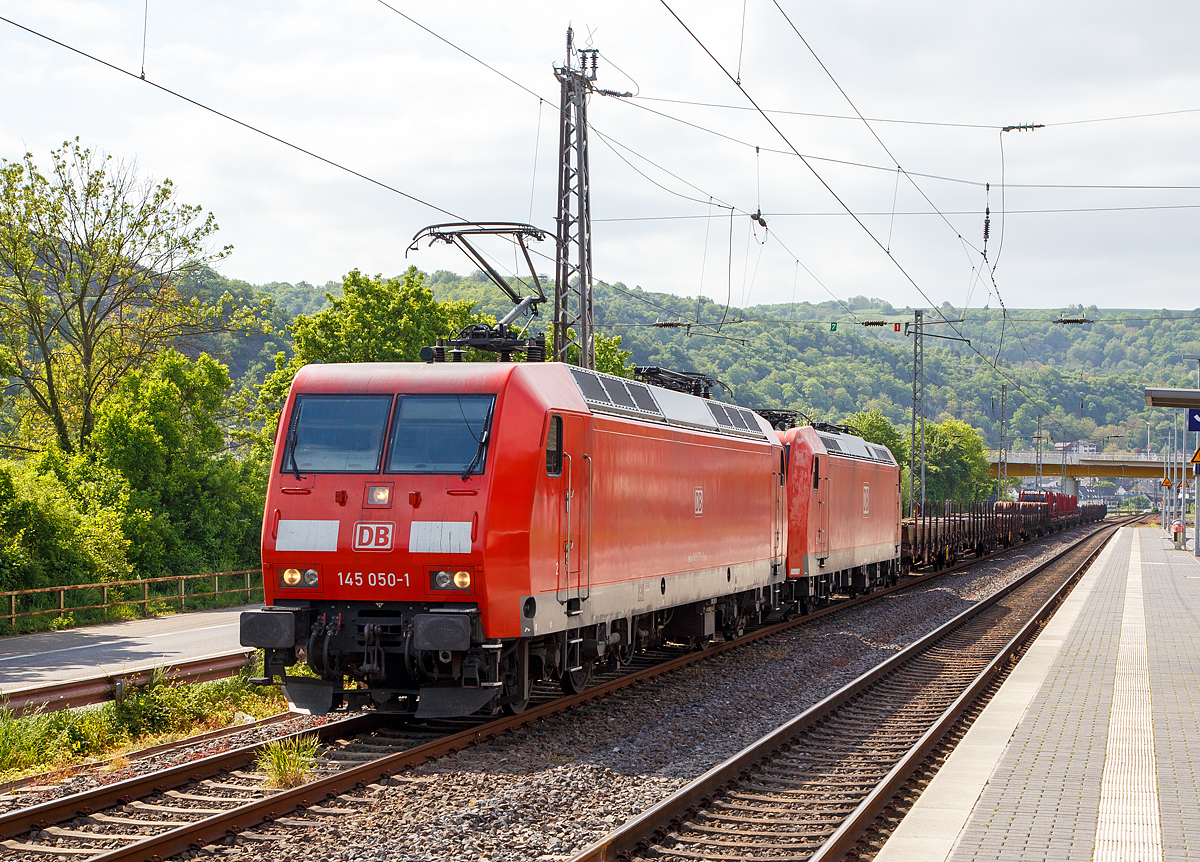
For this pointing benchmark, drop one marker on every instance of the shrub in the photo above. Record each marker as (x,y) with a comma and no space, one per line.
(288,762)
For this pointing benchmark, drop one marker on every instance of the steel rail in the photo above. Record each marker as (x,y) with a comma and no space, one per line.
(851,831)
(44,778)
(104,687)
(81,804)
(655,823)
(215,827)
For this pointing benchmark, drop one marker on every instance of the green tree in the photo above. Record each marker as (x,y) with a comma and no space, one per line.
(91,259)
(192,505)
(611,359)
(374,320)
(956,463)
(873,426)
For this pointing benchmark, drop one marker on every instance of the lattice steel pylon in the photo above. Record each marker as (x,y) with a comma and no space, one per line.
(573,261)
(916,487)
(1037,467)
(1002,461)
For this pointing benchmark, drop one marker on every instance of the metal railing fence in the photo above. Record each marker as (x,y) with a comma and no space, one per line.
(98,599)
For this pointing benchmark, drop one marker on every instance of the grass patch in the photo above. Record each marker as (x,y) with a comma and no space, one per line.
(288,762)
(160,711)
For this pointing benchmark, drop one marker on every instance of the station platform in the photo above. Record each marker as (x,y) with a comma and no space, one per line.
(1091,748)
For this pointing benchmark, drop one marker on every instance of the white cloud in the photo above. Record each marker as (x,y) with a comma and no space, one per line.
(362,86)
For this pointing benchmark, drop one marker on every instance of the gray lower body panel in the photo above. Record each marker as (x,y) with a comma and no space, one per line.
(603,602)
(847,558)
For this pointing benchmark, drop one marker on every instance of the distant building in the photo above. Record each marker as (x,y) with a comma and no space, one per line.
(1081,447)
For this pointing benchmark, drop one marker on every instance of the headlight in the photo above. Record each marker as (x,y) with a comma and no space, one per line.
(310,578)
(379,495)
(450,580)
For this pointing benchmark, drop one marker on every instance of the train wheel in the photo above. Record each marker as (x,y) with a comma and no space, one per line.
(516,708)
(575,681)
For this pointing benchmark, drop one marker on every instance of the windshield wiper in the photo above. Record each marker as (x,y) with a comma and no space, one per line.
(483,438)
(291,439)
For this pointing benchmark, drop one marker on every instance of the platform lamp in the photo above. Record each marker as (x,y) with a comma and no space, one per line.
(1193,424)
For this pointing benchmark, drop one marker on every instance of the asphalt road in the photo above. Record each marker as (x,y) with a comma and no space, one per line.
(27,661)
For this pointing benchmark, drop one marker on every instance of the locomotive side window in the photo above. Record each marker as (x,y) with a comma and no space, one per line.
(440,434)
(336,434)
(554,459)
(816,472)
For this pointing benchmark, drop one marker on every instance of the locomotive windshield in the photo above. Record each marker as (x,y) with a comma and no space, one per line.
(336,434)
(440,434)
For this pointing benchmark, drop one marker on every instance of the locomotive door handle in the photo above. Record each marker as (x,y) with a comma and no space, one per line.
(590,464)
(275,525)
(567,544)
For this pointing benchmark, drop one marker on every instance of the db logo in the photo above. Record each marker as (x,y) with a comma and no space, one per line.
(699,501)
(373,536)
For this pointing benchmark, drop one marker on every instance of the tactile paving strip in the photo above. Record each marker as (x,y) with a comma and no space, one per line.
(1127,828)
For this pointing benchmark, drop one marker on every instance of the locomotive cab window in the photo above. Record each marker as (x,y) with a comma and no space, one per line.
(816,472)
(554,458)
(440,434)
(336,434)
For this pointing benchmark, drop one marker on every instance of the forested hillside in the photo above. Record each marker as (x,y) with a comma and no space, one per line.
(1084,379)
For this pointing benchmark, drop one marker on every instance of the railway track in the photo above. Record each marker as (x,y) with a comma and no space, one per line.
(167,812)
(813,788)
(48,780)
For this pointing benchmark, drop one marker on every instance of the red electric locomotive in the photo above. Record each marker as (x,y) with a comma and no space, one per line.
(843,498)
(439,536)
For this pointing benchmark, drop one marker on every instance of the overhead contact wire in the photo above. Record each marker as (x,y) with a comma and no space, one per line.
(235,120)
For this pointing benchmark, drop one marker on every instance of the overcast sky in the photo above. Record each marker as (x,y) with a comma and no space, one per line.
(355,82)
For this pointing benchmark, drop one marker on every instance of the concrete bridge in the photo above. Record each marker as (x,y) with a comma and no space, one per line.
(1080,464)
(1072,466)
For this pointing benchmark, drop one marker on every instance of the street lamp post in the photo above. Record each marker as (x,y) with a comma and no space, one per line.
(1194,357)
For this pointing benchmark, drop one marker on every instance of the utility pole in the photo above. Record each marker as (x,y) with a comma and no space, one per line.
(1002,466)
(1189,357)
(573,258)
(1037,469)
(918,410)
(1166,524)
(1176,469)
